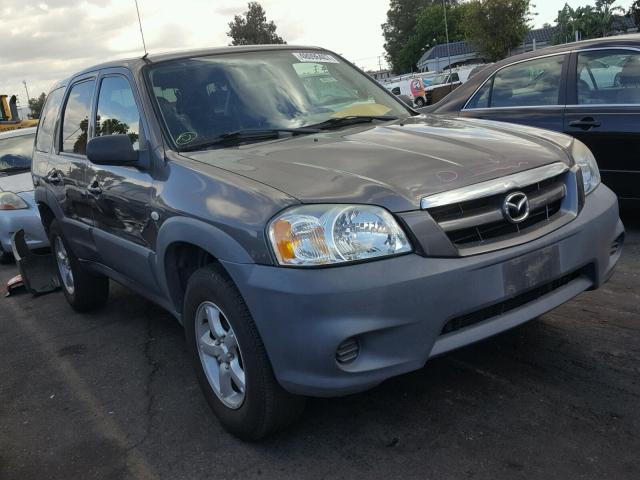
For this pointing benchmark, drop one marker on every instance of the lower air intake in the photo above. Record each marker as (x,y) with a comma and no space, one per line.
(347,351)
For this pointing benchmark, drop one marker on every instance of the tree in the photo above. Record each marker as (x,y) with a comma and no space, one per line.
(36,105)
(430,31)
(398,29)
(253,28)
(634,12)
(604,13)
(496,26)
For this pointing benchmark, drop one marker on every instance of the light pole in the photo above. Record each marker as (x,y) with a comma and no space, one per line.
(446,33)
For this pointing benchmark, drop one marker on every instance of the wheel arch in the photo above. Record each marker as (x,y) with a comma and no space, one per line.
(186,244)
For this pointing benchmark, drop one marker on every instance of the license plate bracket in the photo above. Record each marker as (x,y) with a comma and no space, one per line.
(531,270)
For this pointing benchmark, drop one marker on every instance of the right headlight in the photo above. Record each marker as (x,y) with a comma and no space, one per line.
(313,235)
(11,201)
(588,166)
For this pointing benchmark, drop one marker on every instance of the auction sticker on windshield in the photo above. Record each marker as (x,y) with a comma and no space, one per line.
(315,57)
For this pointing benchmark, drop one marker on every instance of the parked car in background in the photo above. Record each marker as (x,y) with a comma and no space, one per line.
(445,83)
(589,90)
(17,206)
(312,240)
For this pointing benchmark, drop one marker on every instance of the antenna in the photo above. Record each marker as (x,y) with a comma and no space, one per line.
(144,45)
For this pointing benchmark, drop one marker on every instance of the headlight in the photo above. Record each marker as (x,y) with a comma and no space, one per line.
(11,201)
(314,235)
(587,163)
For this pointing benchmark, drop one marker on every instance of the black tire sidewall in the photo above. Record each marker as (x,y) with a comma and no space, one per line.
(249,421)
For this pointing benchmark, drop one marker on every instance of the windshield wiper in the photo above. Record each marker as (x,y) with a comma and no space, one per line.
(351,120)
(249,135)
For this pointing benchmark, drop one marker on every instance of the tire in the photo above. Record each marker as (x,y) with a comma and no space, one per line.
(420,102)
(84,290)
(259,407)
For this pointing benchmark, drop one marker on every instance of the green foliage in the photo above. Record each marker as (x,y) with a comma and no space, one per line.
(253,28)
(430,30)
(588,20)
(399,28)
(496,26)
(634,12)
(36,105)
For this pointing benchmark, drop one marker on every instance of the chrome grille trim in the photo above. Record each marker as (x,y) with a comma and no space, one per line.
(489,215)
(494,187)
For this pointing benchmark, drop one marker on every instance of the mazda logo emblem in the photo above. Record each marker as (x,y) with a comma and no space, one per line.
(516,207)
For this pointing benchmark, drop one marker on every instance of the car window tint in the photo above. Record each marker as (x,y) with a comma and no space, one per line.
(75,120)
(117,110)
(455,78)
(15,153)
(608,77)
(482,96)
(531,83)
(48,120)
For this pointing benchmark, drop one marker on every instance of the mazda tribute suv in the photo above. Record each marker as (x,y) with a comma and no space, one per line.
(312,234)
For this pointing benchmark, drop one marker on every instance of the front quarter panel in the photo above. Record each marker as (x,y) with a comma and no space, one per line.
(233,210)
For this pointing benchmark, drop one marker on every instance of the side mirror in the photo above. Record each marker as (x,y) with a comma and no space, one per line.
(406,99)
(111,150)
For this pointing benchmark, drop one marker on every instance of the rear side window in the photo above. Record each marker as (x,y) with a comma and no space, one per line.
(48,120)
(117,110)
(531,83)
(75,120)
(608,77)
(15,154)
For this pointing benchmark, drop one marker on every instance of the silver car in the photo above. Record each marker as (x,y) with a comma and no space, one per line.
(17,208)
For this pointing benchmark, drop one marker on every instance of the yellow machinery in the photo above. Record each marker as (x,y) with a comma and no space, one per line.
(9,118)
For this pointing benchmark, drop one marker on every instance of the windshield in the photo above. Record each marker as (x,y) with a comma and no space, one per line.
(15,153)
(203,98)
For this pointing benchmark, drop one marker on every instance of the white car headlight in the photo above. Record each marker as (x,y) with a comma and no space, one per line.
(11,201)
(313,235)
(587,163)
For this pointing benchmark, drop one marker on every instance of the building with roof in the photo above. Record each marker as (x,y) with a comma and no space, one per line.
(436,58)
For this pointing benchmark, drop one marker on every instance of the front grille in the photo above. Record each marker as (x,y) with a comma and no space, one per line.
(481,220)
(506,306)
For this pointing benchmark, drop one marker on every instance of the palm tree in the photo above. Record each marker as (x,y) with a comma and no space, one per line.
(604,12)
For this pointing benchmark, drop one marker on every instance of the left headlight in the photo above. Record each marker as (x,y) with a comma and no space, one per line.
(587,163)
(313,235)
(11,201)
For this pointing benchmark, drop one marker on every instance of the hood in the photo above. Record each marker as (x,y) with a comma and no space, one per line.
(21,182)
(394,165)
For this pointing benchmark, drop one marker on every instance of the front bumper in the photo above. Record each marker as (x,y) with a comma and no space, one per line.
(397,308)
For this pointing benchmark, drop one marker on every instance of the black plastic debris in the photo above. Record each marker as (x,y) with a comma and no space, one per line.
(38,270)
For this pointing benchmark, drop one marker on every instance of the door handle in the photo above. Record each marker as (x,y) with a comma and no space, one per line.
(585,123)
(54,178)
(94,188)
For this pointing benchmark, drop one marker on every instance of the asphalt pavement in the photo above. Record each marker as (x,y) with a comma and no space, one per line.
(112,395)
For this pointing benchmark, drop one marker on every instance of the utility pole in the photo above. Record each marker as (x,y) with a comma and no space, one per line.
(379,64)
(446,33)
(24,82)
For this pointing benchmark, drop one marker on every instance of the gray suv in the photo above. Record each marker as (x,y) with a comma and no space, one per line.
(312,234)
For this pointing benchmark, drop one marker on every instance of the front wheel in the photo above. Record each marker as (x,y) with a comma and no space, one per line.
(231,363)
(420,102)
(84,290)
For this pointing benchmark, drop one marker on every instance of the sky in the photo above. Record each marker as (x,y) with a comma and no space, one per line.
(48,40)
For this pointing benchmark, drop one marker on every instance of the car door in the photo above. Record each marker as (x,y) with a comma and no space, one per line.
(604,113)
(121,195)
(529,92)
(67,176)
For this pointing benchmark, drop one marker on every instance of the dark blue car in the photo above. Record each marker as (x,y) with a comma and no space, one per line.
(589,90)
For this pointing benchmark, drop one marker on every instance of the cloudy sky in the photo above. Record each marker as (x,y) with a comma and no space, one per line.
(49,39)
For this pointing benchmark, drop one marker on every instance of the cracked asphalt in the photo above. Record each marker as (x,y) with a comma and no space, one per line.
(112,395)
